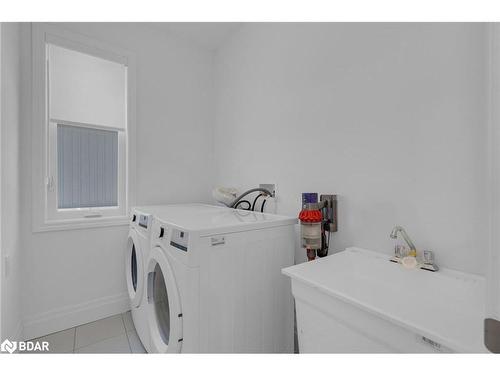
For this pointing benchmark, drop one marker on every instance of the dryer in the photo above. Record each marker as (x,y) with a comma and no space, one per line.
(137,252)
(214,281)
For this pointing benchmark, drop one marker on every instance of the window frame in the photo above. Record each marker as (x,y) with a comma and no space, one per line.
(46,215)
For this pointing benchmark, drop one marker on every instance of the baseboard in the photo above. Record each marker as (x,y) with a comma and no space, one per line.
(14,335)
(75,315)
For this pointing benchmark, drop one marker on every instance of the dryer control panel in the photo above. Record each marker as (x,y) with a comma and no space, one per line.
(179,239)
(173,241)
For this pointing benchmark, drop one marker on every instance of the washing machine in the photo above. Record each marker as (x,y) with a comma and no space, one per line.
(214,282)
(137,252)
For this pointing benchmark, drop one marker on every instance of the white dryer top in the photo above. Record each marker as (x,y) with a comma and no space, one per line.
(209,220)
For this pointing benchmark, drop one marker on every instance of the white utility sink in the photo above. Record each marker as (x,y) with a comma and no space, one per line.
(356,301)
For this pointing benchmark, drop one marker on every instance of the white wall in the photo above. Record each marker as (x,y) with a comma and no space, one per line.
(391,117)
(1,181)
(10,179)
(75,276)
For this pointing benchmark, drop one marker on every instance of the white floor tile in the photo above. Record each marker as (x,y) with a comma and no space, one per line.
(99,330)
(60,342)
(129,323)
(118,344)
(135,342)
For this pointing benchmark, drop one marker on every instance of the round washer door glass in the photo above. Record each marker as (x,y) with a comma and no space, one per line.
(161,306)
(134,271)
(133,268)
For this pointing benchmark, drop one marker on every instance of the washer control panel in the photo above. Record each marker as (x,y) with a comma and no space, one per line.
(144,221)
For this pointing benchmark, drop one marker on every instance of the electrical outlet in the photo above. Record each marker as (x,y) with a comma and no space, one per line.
(270,187)
(6,263)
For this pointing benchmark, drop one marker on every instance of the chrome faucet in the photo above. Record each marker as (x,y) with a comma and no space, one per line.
(427,256)
(428,262)
(394,234)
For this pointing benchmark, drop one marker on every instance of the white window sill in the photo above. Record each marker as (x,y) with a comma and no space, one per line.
(81,223)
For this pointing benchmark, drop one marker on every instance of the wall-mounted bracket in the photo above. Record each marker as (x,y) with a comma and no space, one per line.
(329,211)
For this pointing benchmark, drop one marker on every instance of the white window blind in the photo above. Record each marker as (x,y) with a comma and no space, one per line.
(86,89)
(87,167)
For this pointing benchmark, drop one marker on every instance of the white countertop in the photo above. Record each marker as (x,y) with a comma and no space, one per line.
(447,306)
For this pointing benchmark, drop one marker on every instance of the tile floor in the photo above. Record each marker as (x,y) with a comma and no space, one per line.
(115,334)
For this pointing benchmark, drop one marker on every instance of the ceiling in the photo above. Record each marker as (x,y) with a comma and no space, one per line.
(210,35)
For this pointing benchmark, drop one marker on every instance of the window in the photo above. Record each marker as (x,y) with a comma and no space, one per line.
(82,130)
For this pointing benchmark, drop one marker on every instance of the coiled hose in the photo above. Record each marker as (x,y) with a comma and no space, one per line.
(262,190)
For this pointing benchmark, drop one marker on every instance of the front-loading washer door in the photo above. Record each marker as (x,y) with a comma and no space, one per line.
(164,307)
(134,269)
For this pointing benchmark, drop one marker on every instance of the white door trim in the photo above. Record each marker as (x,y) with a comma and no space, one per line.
(493,118)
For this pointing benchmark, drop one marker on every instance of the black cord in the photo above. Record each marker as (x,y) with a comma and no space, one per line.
(241,196)
(325,240)
(244,201)
(263,204)
(255,201)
